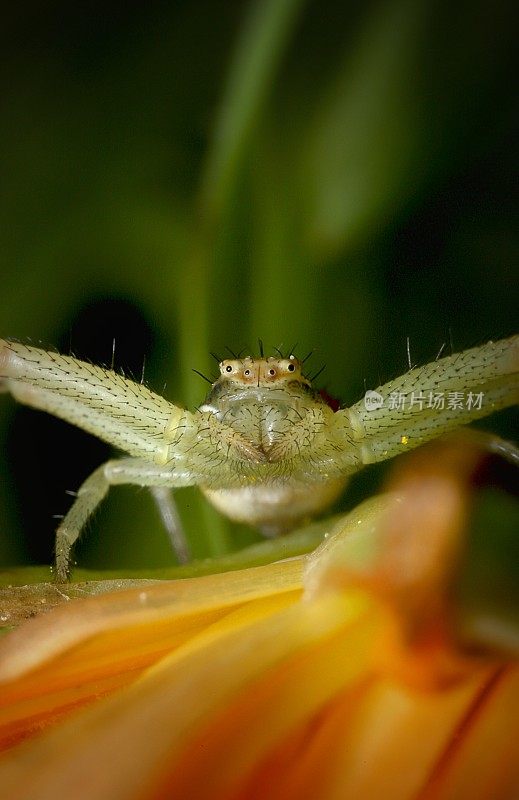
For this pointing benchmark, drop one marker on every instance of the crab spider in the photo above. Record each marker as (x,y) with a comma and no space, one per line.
(265,448)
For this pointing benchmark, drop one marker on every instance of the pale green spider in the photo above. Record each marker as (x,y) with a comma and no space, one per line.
(265,447)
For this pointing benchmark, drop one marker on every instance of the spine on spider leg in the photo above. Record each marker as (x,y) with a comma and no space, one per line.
(100,401)
(434,399)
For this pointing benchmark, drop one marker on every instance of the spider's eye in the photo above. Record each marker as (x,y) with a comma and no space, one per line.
(272,371)
(291,367)
(228,368)
(247,372)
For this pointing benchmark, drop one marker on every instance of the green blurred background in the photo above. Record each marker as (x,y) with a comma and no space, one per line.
(188,176)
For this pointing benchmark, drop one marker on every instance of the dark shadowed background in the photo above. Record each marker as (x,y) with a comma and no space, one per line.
(186,176)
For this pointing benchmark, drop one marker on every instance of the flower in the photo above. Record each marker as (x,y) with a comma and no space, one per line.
(364,670)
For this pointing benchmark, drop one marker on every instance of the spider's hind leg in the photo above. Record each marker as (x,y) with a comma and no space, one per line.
(92,492)
(170,519)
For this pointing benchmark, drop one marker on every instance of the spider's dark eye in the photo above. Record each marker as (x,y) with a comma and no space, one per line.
(247,372)
(228,368)
(272,371)
(291,367)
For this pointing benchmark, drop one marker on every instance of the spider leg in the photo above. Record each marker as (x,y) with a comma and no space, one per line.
(429,401)
(496,445)
(170,518)
(124,413)
(94,489)
(119,411)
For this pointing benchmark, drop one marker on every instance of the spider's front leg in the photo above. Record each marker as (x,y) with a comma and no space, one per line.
(172,447)
(432,400)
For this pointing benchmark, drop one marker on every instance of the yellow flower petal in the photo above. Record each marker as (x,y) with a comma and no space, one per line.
(146,726)
(88,648)
(483,760)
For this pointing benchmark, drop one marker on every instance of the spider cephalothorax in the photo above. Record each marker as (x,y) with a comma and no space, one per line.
(269,403)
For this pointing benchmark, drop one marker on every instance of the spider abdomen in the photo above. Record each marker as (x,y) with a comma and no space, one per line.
(275,507)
